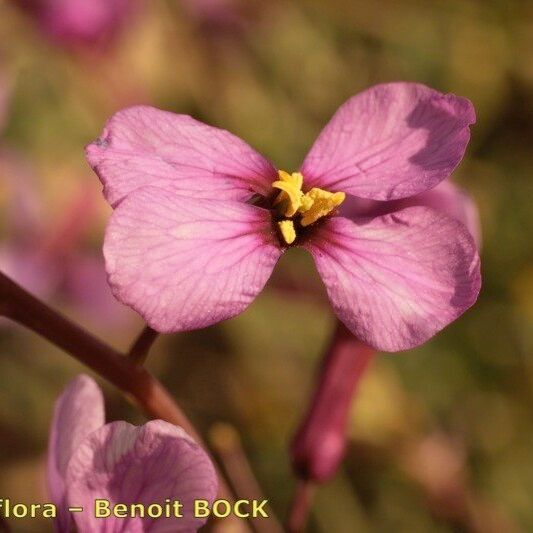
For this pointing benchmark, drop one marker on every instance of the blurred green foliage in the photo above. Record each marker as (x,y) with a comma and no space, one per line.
(456,412)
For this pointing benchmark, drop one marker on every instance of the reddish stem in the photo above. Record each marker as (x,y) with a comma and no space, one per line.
(227,444)
(19,305)
(132,378)
(141,346)
(300,506)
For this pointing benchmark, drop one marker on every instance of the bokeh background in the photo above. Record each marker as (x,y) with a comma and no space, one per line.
(441,437)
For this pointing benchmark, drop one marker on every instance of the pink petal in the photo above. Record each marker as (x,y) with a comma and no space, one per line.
(452,200)
(398,279)
(144,465)
(445,197)
(390,141)
(78,412)
(187,263)
(146,146)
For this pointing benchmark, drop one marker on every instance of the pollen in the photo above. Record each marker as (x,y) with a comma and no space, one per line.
(287,230)
(289,199)
(299,208)
(322,203)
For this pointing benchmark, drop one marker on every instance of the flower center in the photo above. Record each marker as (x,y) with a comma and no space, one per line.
(304,208)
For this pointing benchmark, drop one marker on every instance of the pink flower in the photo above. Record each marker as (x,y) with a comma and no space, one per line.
(90,460)
(75,22)
(319,444)
(201,218)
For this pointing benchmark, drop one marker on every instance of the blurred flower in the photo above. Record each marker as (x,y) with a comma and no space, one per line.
(45,258)
(5,90)
(201,219)
(437,463)
(20,258)
(48,259)
(218,15)
(80,22)
(122,463)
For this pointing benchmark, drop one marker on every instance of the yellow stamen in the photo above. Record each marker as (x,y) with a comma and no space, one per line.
(318,203)
(307,202)
(309,207)
(291,194)
(287,230)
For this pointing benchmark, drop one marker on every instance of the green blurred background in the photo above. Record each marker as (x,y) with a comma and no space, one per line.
(441,437)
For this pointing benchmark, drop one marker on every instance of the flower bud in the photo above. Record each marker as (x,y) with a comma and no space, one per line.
(319,444)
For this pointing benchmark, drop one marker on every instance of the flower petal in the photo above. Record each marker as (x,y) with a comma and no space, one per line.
(185,264)
(78,412)
(452,200)
(398,279)
(446,197)
(390,141)
(139,465)
(143,146)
